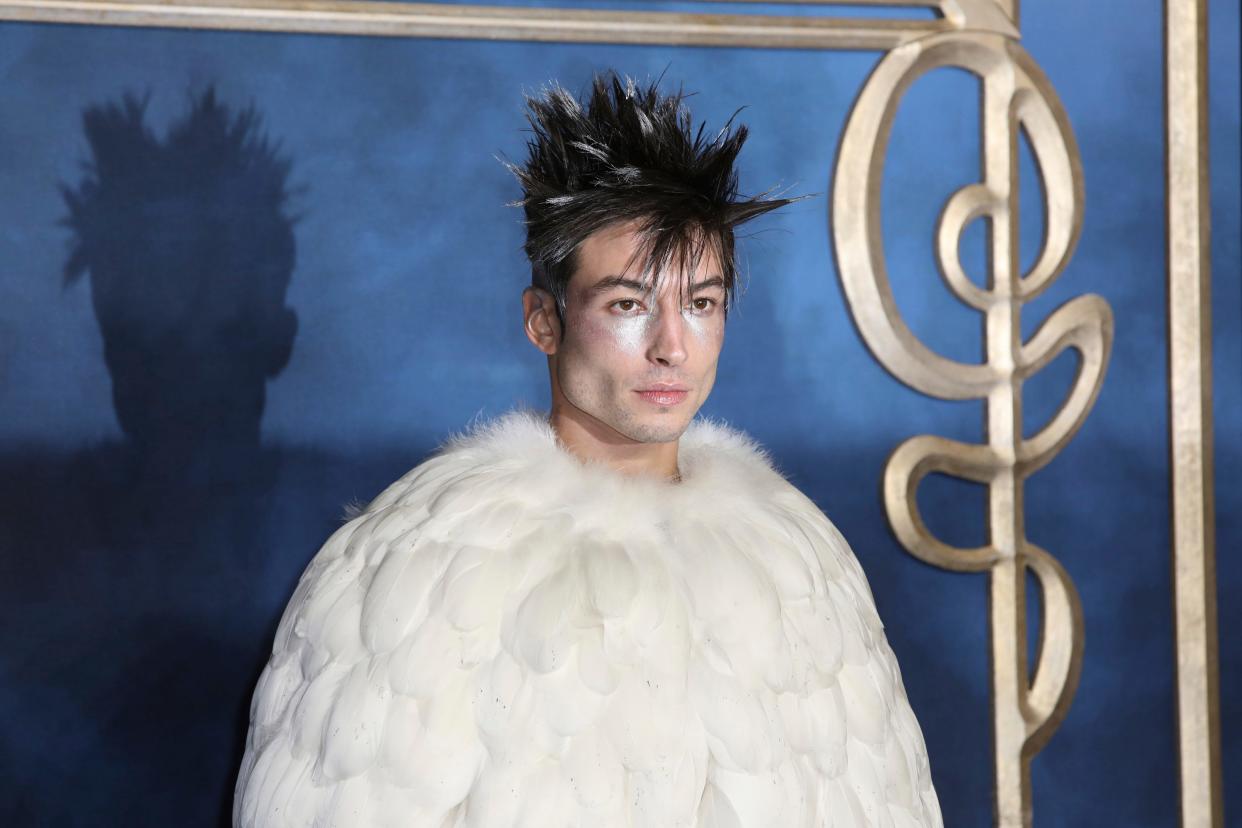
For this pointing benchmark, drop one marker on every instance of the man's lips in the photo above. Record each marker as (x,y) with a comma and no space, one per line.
(663,394)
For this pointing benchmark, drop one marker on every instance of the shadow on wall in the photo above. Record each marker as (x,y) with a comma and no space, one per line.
(189,253)
(143,584)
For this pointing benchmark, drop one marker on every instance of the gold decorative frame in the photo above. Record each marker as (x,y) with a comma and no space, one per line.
(1190,404)
(982,37)
(1016,97)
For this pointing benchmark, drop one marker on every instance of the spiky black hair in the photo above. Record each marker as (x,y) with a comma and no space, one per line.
(630,154)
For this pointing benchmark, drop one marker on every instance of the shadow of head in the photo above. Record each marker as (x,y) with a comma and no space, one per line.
(189,252)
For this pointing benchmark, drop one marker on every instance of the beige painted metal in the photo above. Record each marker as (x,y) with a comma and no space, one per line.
(1190,384)
(981,37)
(394,19)
(1016,98)
(498,22)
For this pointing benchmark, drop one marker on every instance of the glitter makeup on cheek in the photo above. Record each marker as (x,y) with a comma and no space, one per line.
(703,327)
(631,332)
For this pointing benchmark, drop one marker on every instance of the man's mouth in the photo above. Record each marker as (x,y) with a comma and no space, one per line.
(663,395)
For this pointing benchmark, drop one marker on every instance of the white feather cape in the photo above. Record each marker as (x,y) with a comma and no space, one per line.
(508,636)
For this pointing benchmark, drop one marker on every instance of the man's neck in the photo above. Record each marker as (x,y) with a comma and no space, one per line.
(589,439)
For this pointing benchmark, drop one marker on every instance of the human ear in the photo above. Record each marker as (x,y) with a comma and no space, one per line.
(542,324)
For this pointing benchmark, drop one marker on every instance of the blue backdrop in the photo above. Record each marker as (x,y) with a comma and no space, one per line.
(192,388)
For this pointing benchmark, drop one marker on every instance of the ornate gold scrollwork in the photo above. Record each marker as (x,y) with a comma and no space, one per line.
(1016,97)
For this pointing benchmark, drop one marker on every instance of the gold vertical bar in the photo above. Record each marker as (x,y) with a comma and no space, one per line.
(1004,433)
(1190,392)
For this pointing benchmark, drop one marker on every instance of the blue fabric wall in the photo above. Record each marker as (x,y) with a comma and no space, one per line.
(145,561)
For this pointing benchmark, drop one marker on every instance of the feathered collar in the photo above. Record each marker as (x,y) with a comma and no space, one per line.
(518,452)
(526,435)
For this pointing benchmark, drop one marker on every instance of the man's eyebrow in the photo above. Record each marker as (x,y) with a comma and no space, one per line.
(609,282)
(715,281)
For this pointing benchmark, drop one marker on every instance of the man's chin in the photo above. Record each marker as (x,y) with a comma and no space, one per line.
(656,427)
(642,423)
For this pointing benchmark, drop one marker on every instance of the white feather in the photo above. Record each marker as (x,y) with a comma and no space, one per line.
(507,636)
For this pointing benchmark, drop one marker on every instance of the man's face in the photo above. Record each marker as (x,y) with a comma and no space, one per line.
(638,361)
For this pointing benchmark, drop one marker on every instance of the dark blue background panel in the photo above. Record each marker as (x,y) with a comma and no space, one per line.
(301,305)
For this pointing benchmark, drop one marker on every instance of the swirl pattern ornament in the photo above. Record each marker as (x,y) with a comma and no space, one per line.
(1016,98)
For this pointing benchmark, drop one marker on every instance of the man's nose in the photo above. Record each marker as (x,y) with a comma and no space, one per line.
(668,342)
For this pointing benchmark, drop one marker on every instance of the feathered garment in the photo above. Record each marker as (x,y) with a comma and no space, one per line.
(508,636)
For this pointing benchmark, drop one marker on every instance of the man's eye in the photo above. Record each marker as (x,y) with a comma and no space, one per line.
(703,303)
(625,305)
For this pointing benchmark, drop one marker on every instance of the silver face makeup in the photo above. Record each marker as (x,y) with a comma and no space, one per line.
(633,332)
(702,325)
(613,351)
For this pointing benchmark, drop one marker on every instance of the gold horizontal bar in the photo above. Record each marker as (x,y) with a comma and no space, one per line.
(931,4)
(482,22)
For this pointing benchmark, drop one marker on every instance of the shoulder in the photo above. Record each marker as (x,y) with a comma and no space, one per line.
(725,461)
(737,471)
(721,460)
(497,448)
(375,627)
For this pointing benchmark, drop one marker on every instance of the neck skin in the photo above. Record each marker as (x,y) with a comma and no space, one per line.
(589,439)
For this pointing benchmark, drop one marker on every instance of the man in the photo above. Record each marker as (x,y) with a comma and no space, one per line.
(610,614)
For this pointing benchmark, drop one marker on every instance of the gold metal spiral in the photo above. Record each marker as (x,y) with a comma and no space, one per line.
(1016,98)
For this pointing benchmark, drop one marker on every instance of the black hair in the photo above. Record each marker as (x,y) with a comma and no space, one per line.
(630,153)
